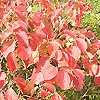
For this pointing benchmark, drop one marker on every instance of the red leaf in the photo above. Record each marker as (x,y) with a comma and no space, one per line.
(55,97)
(47,31)
(50,87)
(24,53)
(12,63)
(53,46)
(21,83)
(62,96)
(38,36)
(32,99)
(8,47)
(97,81)
(31,25)
(81,43)
(11,95)
(33,44)
(22,38)
(75,52)
(19,25)
(1,83)
(49,72)
(43,94)
(1,15)
(4,35)
(2,79)
(20,15)
(79,73)
(78,78)
(90,34)
(72,33)
(43,61)
(63,80)
(72,62)
(65,25)
(22,8)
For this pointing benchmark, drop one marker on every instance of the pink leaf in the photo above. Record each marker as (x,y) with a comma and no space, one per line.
(49,72)
(55,13)
(19,25)
(11,95)
(1,96)
(37,77)
(43,61)
(4,35)
(50,87)
(22,38)
(63,80)
(94,69)
(72,62)
(58,54)
(72,33)
(75,52)
(81,43)
(78,78)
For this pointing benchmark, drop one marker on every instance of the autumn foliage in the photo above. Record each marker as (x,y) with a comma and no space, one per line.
(42,50)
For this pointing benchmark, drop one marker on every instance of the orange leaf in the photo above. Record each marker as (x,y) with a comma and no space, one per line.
(29,87)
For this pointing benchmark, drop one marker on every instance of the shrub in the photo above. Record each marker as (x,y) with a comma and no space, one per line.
(43,56)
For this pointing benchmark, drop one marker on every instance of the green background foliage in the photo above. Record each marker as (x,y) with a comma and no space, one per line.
(92,17)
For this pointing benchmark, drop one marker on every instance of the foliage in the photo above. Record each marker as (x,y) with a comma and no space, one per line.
(44,56)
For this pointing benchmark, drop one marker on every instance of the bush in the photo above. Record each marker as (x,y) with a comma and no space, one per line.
(43,55)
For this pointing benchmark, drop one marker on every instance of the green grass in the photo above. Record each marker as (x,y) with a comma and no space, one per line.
(92,18)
